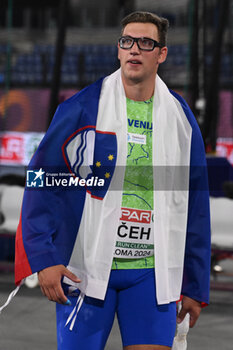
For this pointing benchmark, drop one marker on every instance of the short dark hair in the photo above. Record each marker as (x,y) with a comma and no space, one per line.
(148,17)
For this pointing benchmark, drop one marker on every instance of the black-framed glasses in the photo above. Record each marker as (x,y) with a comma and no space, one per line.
(146,44)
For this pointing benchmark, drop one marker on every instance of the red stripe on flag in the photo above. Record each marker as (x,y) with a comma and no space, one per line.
(22,266)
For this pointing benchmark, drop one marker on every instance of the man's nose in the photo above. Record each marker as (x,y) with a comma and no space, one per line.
(135,48)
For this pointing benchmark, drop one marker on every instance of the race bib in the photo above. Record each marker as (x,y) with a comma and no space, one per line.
(135,237)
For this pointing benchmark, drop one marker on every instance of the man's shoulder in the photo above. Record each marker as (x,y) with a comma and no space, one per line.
(83,103)
(88,94)
(178,97)
(187,111)
(197,146)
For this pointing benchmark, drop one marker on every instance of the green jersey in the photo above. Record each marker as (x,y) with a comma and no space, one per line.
(135,246)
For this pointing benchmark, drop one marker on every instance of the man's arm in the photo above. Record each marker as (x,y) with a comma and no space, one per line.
(196,276)
(50,282)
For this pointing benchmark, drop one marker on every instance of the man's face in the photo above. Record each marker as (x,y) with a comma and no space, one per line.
(138,65)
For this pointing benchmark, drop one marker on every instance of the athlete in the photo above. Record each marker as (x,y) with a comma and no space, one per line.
(134,246)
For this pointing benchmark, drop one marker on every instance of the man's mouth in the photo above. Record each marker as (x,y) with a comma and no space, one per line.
(134,62)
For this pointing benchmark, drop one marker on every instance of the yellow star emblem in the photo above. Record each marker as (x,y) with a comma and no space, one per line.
(110,157)
(107,175)
(98,164)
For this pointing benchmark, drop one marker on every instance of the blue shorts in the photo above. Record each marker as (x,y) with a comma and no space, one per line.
(130,295)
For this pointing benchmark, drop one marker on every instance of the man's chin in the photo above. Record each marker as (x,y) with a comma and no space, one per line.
(134,78)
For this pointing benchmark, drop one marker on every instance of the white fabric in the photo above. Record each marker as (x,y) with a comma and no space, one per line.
(11,296)
(92,255)
(75,311)
(180,340)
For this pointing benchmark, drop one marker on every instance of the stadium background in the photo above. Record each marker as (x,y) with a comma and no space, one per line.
(51,49)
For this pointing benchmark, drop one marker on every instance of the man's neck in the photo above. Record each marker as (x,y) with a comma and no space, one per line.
(138,91)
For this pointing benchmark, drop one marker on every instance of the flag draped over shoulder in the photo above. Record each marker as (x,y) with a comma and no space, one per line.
(50,217)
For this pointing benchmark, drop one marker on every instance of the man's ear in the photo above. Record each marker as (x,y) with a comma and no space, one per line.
(118,46)
(163,54)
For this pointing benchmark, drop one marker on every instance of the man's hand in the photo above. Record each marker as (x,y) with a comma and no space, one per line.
(191,306)
(50,282)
